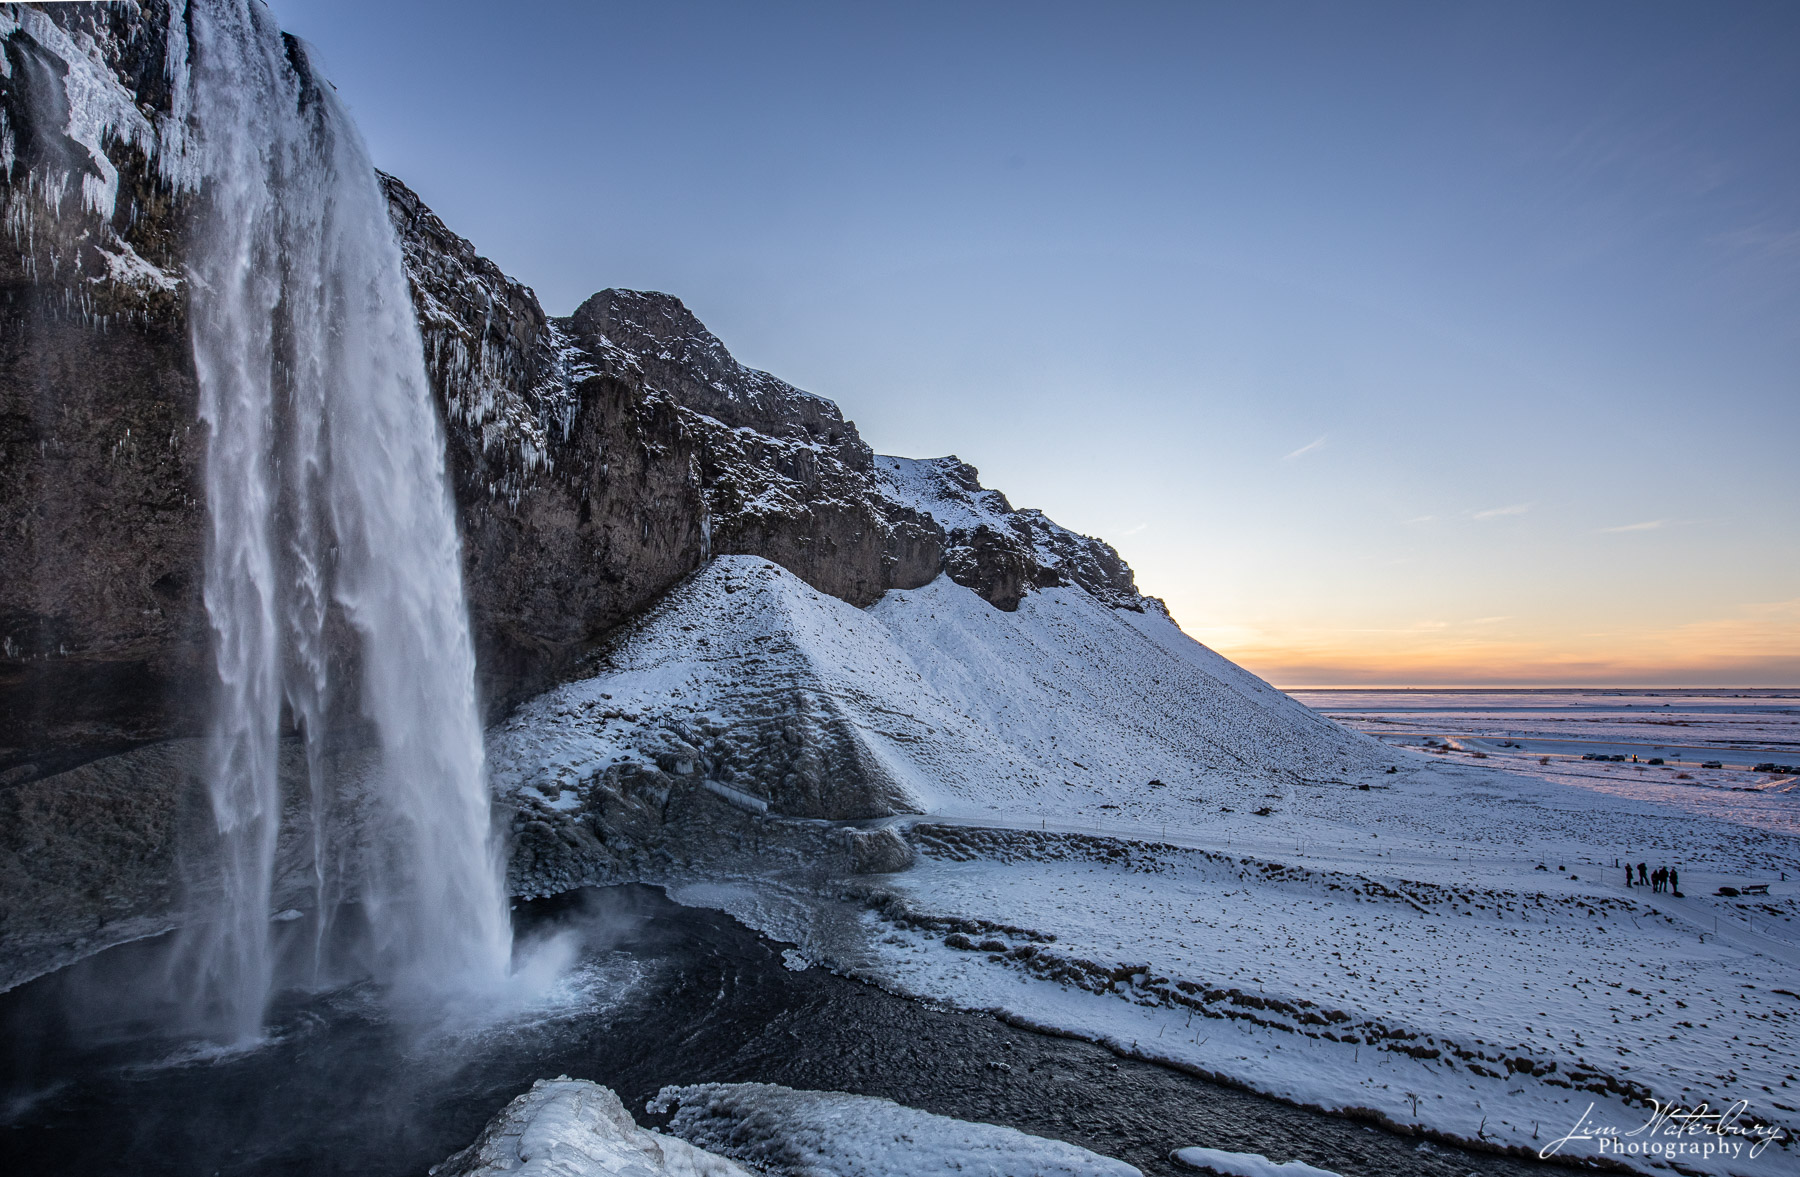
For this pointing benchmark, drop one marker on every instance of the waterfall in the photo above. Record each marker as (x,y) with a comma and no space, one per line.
(333,542)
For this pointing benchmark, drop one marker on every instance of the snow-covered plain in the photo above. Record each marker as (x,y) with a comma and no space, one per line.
(1739,727)
(1122,835)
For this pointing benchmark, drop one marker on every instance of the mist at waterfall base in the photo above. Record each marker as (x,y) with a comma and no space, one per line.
(333,571)
(340,1080)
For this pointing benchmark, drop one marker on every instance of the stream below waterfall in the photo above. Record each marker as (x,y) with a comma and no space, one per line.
(658,994)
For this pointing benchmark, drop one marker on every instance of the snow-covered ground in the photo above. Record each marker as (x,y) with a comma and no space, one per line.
(1241,1164)
(1475,996)
(1122,835)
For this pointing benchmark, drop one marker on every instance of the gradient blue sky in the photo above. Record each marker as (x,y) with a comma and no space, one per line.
(1401,343)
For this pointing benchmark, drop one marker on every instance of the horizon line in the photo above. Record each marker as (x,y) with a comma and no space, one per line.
(1520,687)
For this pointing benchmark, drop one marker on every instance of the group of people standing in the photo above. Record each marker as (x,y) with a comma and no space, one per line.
(1663,878)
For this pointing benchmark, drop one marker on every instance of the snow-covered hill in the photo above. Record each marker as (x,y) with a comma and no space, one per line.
(746,680)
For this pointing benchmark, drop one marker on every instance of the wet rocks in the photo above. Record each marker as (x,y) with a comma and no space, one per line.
(879,851)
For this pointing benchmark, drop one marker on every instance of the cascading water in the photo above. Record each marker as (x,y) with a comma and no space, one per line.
(331,524)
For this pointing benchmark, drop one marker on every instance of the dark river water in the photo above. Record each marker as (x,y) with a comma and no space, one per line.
(662,994)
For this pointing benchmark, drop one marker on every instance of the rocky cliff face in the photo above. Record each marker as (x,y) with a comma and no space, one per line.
(596,460)
(101,518)
(599,457)
(577,484)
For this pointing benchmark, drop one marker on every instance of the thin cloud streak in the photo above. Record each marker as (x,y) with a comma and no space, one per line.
(1316,444)
(1648,525)
(1497,512)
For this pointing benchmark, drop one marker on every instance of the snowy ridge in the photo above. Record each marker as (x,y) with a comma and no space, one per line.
(944,489)
(942,703)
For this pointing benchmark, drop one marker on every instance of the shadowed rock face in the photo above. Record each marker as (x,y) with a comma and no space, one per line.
(595,461)
(577,486)
(101,516)
(677,353)
(783,474)
(106,852)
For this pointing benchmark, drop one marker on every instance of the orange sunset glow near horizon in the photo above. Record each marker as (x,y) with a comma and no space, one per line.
(1758,648)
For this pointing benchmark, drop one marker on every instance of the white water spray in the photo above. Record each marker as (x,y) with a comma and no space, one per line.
(329,506)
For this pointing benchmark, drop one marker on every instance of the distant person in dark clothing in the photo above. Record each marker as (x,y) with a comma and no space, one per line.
(1628,874)
(1643,873)
(1656,878)
(1675,880)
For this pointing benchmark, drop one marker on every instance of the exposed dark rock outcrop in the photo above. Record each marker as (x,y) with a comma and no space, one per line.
(577,485)
(677,353)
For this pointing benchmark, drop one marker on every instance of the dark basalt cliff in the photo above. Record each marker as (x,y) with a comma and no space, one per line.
(596,460)
(101,517)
